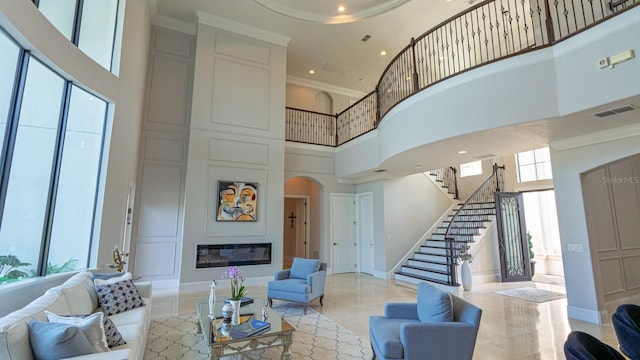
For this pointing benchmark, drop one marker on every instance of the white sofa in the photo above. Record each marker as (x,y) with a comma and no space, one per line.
(76,296)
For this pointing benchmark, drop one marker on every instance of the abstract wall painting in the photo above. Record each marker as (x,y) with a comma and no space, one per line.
(237,201)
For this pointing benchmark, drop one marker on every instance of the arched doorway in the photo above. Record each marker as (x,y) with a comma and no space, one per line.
(301,219)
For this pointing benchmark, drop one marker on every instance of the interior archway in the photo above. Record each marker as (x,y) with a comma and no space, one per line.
(302,224)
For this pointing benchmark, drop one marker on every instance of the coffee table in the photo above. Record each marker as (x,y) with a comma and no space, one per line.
(221,345)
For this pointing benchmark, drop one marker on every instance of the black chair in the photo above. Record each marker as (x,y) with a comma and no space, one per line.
(626,322)
(582,346)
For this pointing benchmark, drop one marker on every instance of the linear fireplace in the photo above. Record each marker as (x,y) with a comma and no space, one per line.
(222,255)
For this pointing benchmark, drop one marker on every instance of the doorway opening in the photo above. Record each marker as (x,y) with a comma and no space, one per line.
(295,229)
(542,226)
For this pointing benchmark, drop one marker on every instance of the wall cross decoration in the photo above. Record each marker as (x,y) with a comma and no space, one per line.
(293,219)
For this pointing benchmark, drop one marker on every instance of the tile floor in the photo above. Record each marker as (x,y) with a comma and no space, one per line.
(510,328)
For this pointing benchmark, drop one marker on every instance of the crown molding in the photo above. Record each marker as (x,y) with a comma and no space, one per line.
(329,18)
(174,24)
(242,29)
(325,87)
(596,137)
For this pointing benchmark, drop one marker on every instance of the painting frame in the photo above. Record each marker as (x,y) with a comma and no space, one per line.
(237,201)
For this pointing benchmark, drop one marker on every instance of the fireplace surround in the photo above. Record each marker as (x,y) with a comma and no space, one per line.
(222,255)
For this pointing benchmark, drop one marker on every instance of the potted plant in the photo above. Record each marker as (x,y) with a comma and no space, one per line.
(531,254)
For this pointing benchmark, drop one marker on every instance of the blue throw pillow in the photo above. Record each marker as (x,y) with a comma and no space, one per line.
(434,305)
(52,341)
(301,268)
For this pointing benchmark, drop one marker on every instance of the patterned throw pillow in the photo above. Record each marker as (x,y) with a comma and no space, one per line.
(118,297)
(113,336)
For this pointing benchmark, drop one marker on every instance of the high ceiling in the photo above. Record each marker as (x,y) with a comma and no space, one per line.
(325,40)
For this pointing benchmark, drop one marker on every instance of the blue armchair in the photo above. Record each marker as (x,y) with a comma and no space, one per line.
(439,326)
(303,283)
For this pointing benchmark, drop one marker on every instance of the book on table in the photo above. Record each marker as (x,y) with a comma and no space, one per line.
(248,328)
(244,301)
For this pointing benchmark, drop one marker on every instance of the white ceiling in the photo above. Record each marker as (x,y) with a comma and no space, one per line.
(320,37)
(321,41)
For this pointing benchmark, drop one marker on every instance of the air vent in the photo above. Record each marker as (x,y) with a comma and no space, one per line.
(485,156)
(379,171)
(615,111)
(336,69)
(365,38)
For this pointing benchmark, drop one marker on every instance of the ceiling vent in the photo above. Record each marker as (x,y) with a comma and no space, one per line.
(365,38)
(379,171)
(336,69)
(485,156)
(615,111)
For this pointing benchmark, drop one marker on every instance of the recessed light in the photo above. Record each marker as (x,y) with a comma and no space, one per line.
(462,152)
(383,53)
(341,8)
(312,71)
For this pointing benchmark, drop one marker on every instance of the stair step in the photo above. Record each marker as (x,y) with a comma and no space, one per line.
(432,274)
(425,249)
(464,223)
(415,279)
(457,237)
(485,205)
(428,265)
(429,257)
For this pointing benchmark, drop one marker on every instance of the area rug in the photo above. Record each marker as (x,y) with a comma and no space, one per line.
(532,294)
(316,338)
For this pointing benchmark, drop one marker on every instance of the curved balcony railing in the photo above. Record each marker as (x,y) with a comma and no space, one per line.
(485,33)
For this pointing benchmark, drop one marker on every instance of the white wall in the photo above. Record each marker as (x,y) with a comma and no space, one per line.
(236,134)
(318,164)
(304,97)
(411,206)
(159,211)
(567,165)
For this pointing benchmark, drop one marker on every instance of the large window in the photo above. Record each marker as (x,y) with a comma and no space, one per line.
(90,24)
(53,135)
(534,165)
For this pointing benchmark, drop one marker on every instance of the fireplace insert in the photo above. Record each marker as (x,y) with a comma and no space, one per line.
(223,255)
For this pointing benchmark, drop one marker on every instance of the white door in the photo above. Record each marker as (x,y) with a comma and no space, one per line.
(343,231)
(365,231)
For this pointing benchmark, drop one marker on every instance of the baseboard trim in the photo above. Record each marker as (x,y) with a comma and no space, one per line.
(592,316)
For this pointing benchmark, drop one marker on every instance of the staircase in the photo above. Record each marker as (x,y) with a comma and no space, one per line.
(435,261)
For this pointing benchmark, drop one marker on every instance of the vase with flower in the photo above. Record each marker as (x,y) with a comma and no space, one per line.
(237,291)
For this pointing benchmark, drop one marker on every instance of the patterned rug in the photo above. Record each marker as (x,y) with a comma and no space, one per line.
(316,338)
(533,294)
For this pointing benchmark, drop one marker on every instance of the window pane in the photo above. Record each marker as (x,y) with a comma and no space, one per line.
(528,173)
(526,158)
(75,198)
(60,13)
(542,155)
(544,170)
(9,53)
(29,179)
(97,29)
